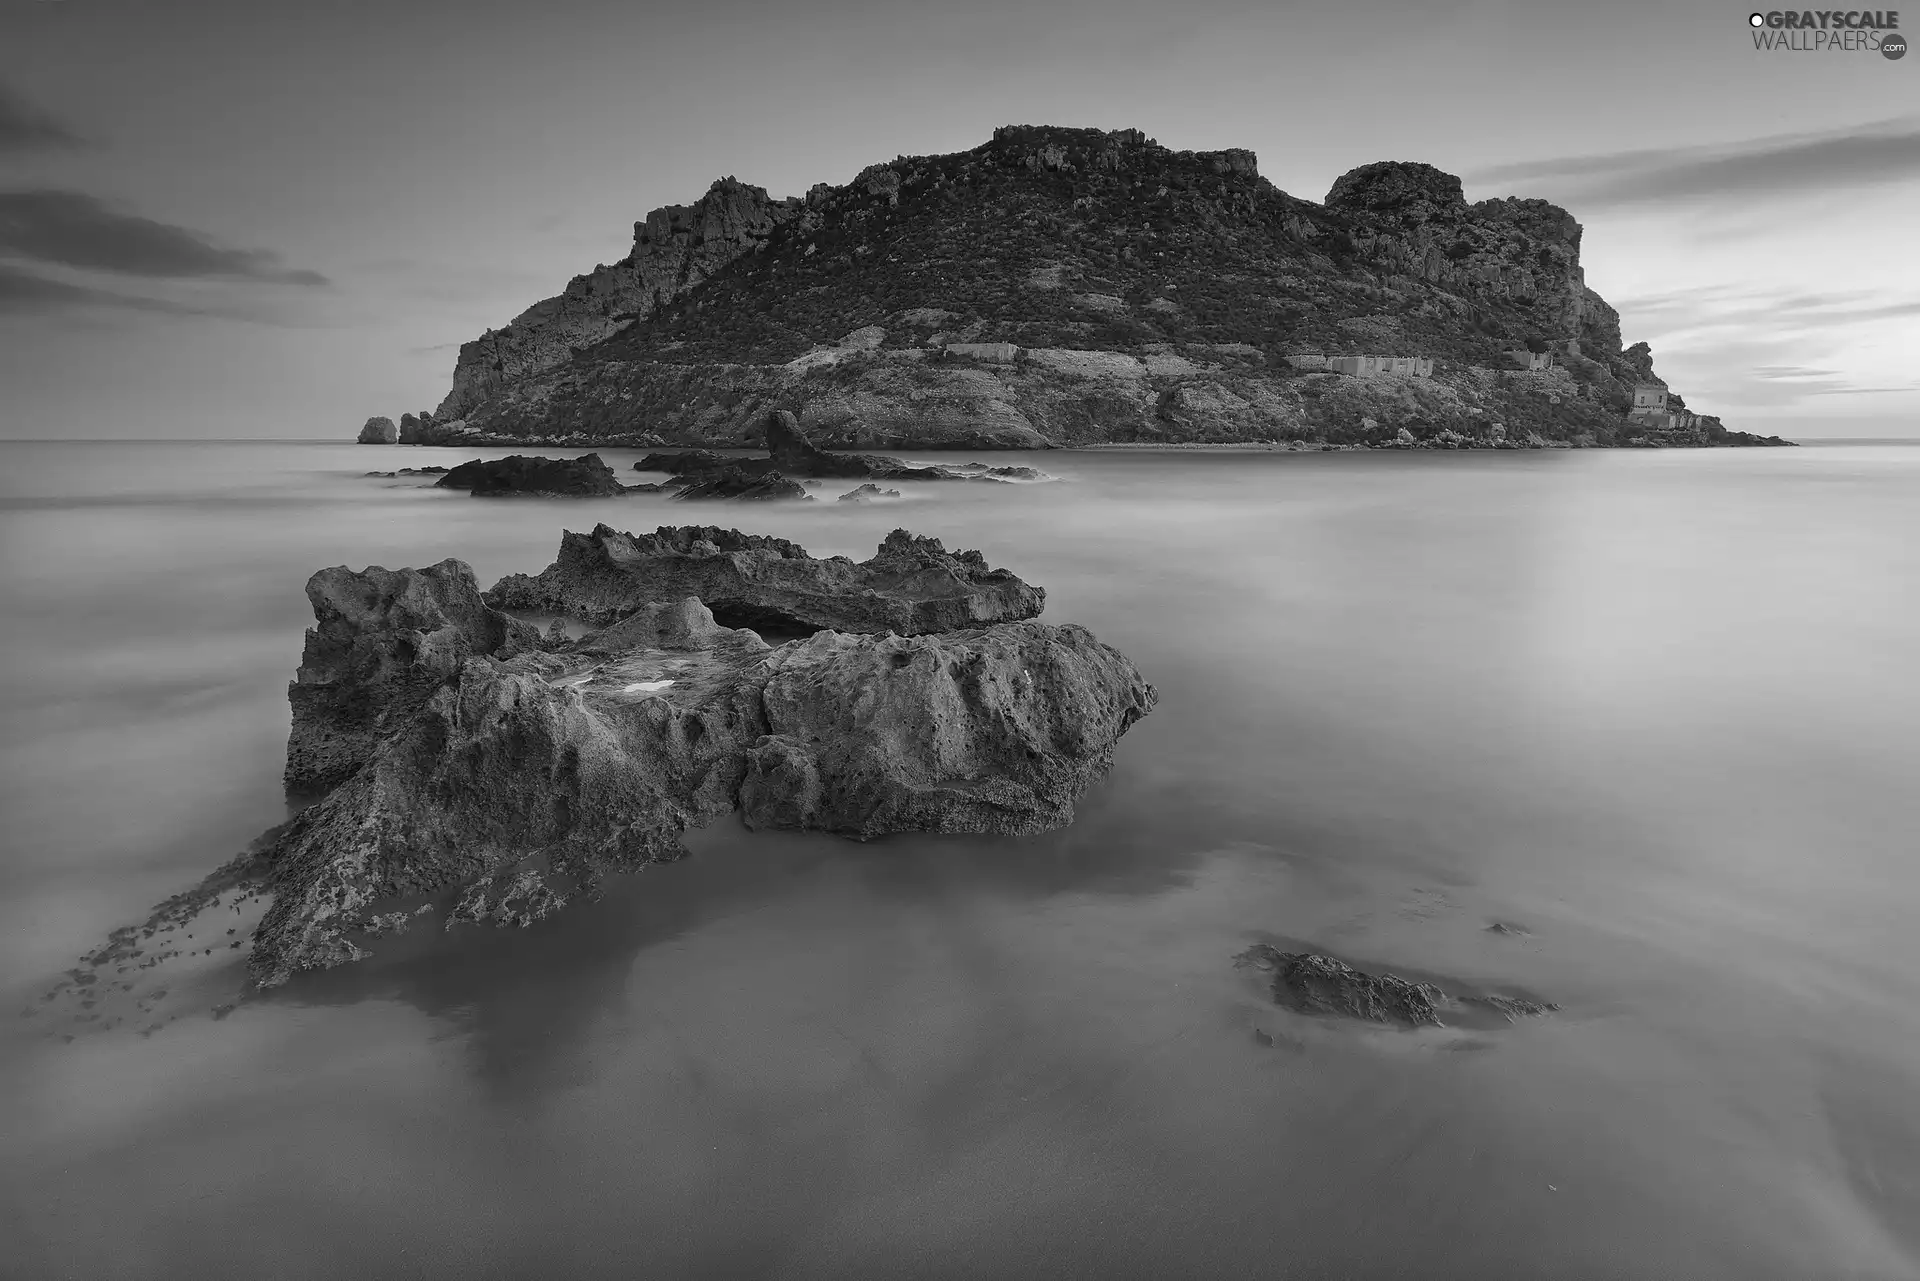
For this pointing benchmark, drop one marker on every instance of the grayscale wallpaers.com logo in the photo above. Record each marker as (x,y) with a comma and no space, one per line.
(1829,30)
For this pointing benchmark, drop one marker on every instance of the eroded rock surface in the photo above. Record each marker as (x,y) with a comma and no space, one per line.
(523,781)
(478,766)
(909,586)
(998,729)
(383,641)
(585,476)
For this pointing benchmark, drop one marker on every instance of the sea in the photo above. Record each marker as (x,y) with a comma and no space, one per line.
(1653,714)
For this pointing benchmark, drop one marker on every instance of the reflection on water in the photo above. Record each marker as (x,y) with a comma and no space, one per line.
(1622,704)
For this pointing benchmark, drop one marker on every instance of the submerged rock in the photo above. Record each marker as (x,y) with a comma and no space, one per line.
(383,641)
(526,779)
(868,493)
(1514,1007)
(1312,984)
(909,586)
(585,476)
(733,482)
(379,431)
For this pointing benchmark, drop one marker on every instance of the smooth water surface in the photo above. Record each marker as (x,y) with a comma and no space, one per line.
(1656,709)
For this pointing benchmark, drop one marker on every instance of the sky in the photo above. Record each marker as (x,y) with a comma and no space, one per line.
(268,220)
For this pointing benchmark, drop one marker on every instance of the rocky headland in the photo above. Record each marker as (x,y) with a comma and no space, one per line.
(1066,287)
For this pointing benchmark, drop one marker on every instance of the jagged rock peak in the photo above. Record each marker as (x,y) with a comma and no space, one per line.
(1399,187)
(732,212)
(1055,147)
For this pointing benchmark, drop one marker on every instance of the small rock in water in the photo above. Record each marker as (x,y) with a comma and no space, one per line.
(734,482)
(1313,984)
(867,493)
(1514,1007)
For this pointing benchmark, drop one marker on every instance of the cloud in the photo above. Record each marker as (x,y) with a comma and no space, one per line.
(23,292)
(1769,348)
(25,127)
(1872,155)
(1784,311)
(75,229)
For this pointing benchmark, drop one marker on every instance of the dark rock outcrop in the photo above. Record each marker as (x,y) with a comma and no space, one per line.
(737,482)
(379,431)
(789,450)
(383,641)
(692,462)
(791,453)
(421,429)
(909,586)
(523,780)
(585,476)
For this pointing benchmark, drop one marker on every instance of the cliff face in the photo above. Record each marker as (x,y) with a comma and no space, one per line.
(1062,286)
(674,249)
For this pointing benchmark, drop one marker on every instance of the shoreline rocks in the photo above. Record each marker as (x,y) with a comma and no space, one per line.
(909,586)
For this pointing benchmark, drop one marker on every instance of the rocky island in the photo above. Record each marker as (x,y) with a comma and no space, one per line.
(459,752)
(1064,287)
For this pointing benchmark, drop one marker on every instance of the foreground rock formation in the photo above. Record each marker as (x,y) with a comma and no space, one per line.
(382,643)
(472,755)
(910,585)
(1059,286)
